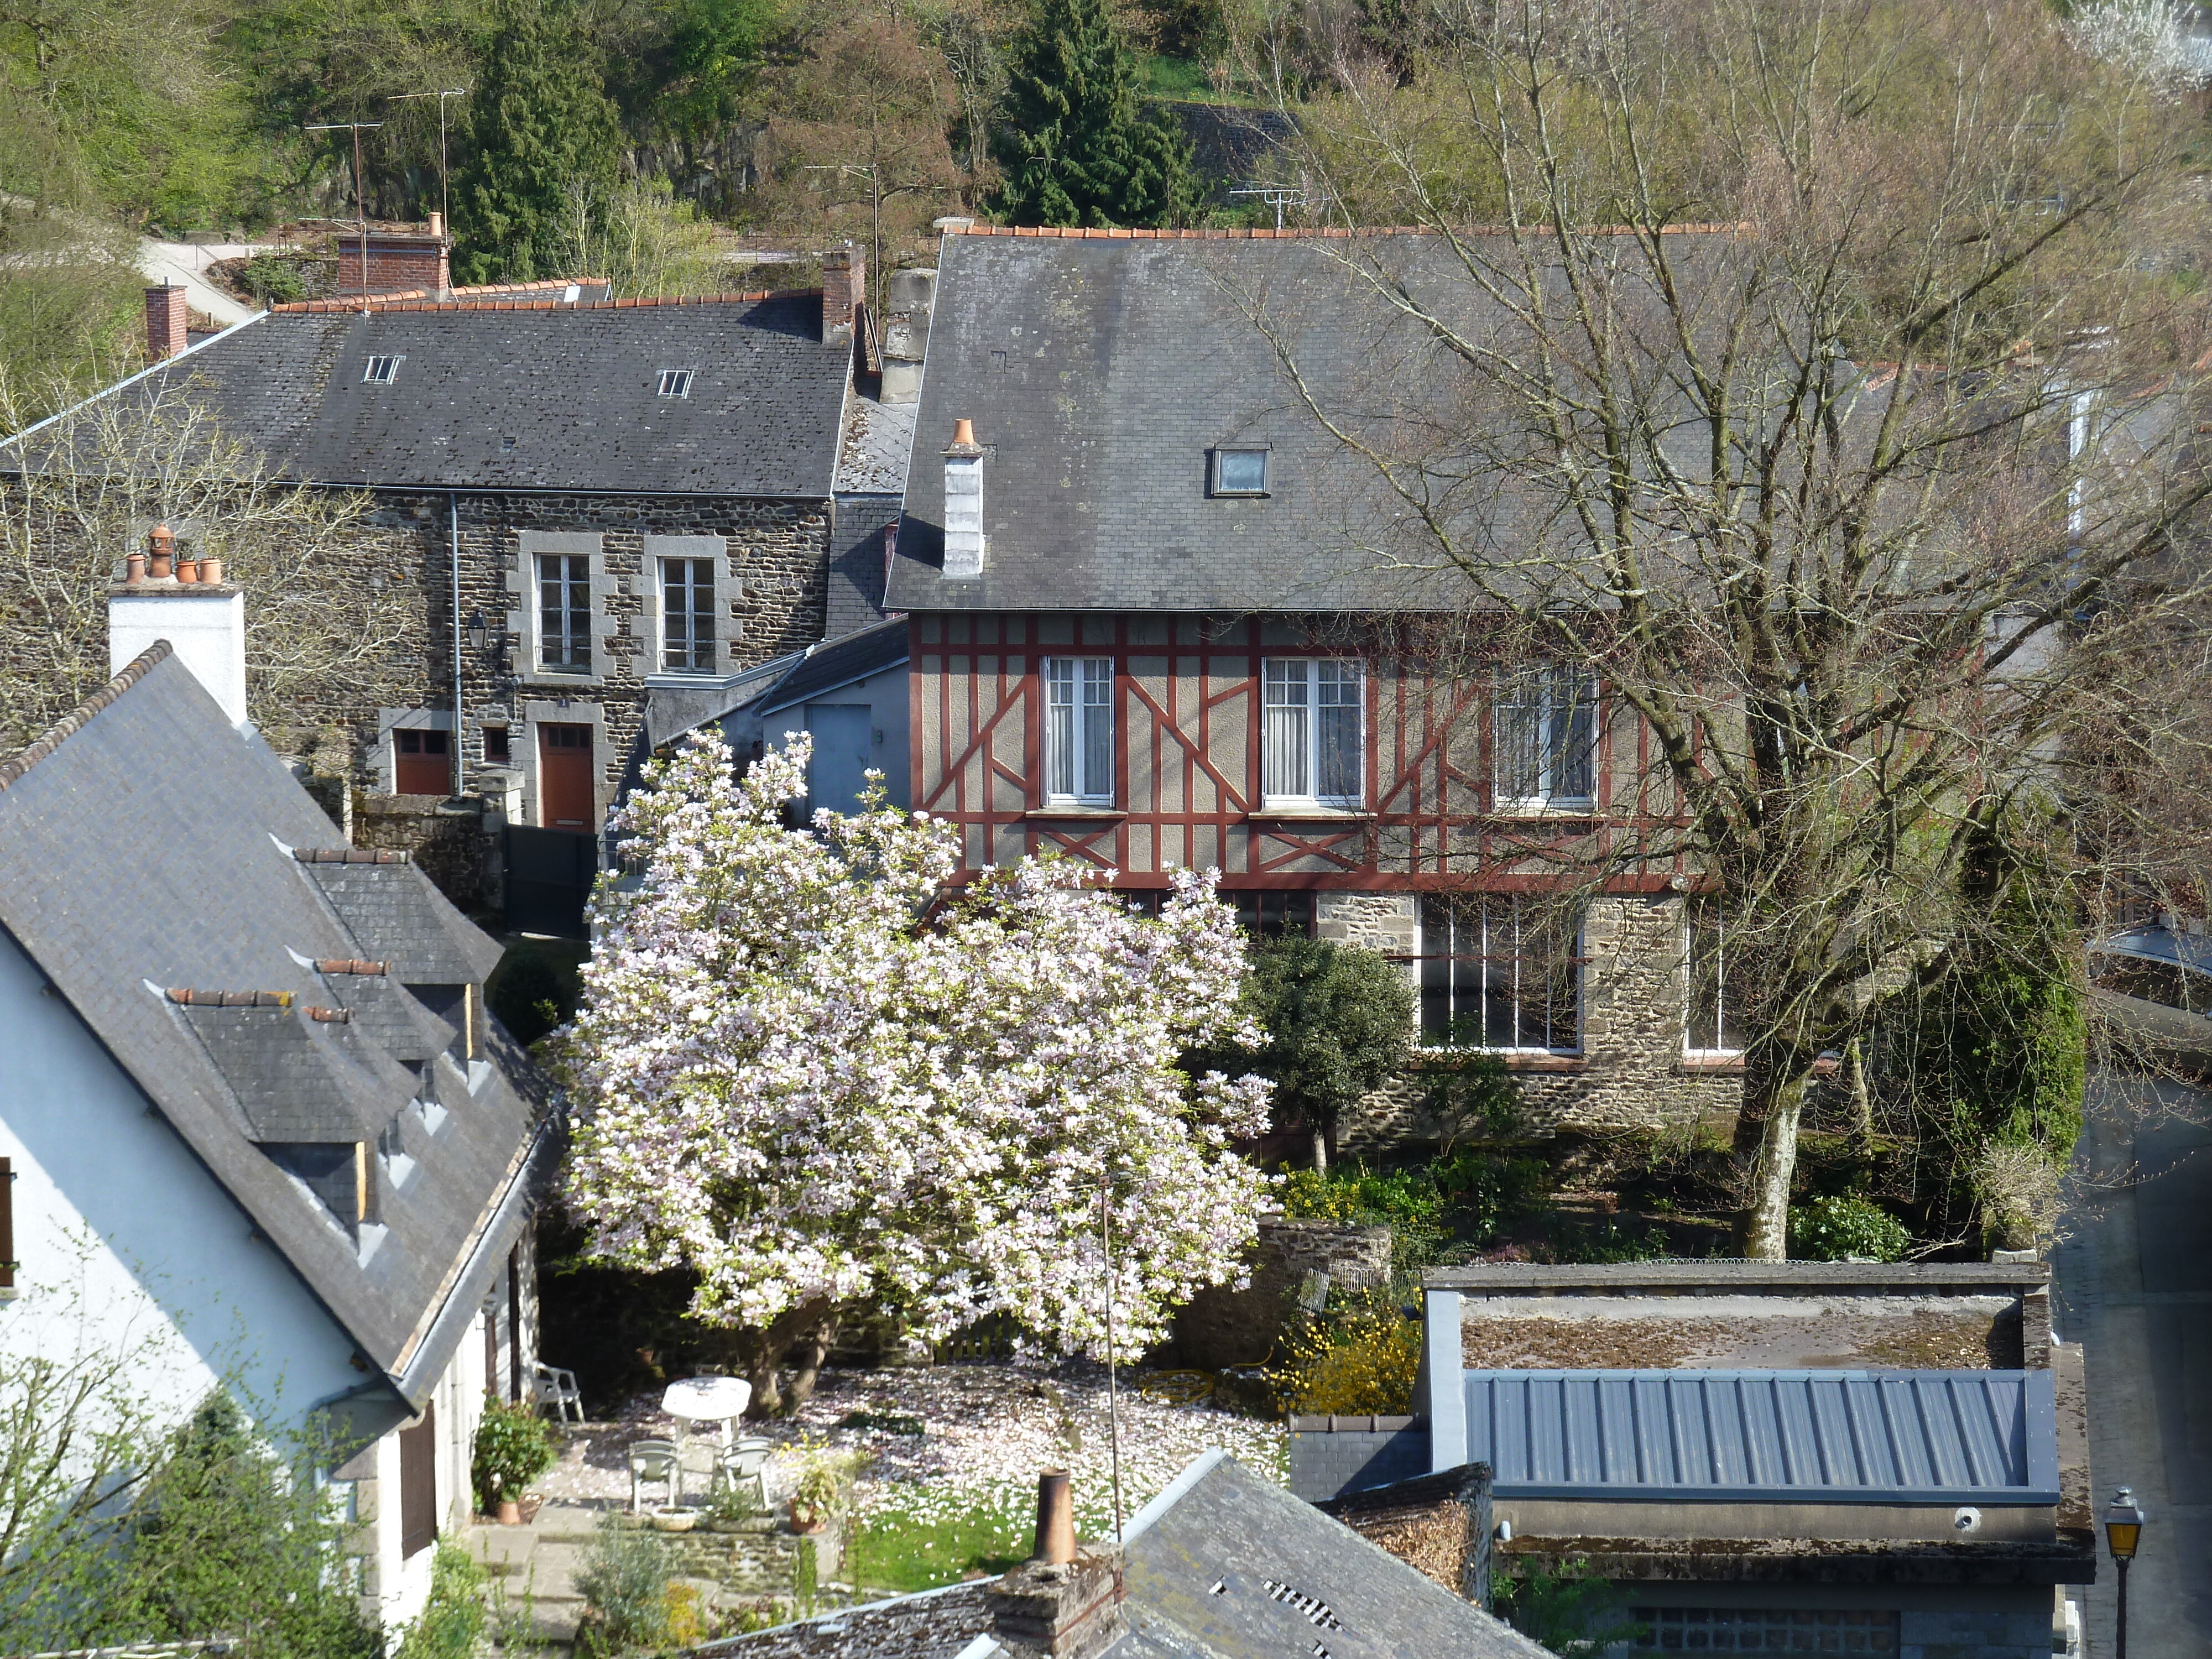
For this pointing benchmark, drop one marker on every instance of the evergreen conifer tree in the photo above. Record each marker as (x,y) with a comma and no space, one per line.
(542,131)
(1076,146)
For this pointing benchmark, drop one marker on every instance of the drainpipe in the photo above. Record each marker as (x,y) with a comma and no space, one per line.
(453,513)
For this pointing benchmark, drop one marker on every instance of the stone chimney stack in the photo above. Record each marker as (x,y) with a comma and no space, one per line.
(165,321)
(844,290)
(907,306)
(1066,1601)
(186,601)
(964,541)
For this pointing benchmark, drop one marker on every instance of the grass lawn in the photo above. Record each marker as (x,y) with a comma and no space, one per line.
(901,1552)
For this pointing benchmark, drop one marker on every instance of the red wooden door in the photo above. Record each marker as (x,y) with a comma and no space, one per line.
(564,777)
(423,763)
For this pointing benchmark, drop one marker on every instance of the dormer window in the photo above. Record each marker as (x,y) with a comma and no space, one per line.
(1240,473)
(381,371)
(675,383)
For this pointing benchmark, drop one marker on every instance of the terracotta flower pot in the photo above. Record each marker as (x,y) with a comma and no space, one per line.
(804,1521)
(510,1512)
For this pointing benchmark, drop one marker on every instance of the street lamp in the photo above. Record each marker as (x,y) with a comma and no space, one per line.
(477,631)
(2123,1524)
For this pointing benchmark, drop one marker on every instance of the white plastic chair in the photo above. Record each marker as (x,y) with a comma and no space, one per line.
(558,1388)
(651,1461)
(744,1462)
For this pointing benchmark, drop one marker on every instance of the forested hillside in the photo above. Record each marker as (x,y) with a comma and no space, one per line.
(631,139)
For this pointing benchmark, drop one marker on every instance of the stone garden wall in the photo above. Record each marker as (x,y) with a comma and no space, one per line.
(1224,1327)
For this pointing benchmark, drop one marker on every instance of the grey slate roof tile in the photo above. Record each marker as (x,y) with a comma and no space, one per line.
(840,662)
(1287,1575)
(555,399)
(150,847)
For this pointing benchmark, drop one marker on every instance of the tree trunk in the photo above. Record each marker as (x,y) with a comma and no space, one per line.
(761,1349)
(1862,1102)
(1763,1231)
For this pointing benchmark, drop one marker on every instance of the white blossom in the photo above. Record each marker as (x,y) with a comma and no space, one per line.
(804,1068)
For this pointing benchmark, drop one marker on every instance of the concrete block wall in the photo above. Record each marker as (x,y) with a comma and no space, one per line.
(1974,1634)
(1631,1074)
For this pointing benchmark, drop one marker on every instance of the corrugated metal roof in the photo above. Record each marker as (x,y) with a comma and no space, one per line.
(1904,1437)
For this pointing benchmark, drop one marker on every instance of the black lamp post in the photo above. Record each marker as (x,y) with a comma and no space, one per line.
(2123,1524)
(477,631)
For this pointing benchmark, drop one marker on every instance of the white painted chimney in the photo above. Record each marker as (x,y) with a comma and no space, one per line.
(964,504)
(186,602)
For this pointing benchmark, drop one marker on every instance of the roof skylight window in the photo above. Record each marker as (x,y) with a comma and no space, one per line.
(675,383)
(381,371)
(1240,471)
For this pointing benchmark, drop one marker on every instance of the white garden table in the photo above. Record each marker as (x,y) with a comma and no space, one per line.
(705,1399)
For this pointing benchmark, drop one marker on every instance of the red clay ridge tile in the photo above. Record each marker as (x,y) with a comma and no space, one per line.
(351,965)
(192,998)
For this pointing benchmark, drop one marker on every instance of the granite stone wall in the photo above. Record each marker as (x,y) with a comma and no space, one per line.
(1222,1327)
(1631,1074)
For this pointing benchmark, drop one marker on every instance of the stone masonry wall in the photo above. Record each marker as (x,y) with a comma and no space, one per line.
(1222,1327)
(1630,1073)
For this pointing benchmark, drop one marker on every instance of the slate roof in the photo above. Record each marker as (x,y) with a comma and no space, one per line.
(531,398)
(1101,370)
(1291,1581)
(840,662)
(151,845)
(1903,1436)
(879,437)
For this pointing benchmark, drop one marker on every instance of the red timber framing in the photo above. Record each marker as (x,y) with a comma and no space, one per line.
(1186,757)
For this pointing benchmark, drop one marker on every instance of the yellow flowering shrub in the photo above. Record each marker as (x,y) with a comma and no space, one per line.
(1363,1363)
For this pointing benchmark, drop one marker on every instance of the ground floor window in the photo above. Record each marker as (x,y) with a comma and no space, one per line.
(1500,970)
(421,763)
(1764,1629)
(1713,1023)
(1266,914)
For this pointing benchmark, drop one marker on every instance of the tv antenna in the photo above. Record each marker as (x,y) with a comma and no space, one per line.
(360,203)
(1280,196)
(444,208)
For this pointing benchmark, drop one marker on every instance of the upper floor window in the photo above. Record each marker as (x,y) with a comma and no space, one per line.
(675,383)
(1500,970)
(564,612)
(1712,1023)
(1545,726)
(381,371)
(687,616)
(1078,729)
(1240,473)
(1310,735)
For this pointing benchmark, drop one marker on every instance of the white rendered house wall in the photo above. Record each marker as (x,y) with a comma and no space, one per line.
(127,1244)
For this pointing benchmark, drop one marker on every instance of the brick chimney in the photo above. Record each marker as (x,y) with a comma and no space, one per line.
(203,619)
(399,261)
(165,321)
(964,541)
(844,290)
(1067,1599)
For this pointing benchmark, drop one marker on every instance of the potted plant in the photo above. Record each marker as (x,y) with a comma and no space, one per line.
(823,1485)
(513,1446)
(730,1508)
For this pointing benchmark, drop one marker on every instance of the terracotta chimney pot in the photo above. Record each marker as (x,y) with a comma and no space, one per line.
(188,570)
(963,433)
(161,544)
(134,569)
(211,570)
(1056,1519)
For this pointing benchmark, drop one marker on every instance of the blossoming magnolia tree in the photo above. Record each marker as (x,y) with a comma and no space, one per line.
(788,1081)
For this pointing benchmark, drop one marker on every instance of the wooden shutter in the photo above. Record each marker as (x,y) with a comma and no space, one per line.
(419,1484)
(7,1224)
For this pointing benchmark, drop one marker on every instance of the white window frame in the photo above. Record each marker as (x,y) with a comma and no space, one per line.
(1498,954)
(665,644)
(388,361)
(675,382)
(1073,757)
(1286,673)
(1544,689)
(1694,916)
(569,562)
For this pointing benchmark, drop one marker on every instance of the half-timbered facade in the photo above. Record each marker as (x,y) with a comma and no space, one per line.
(1143,634)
